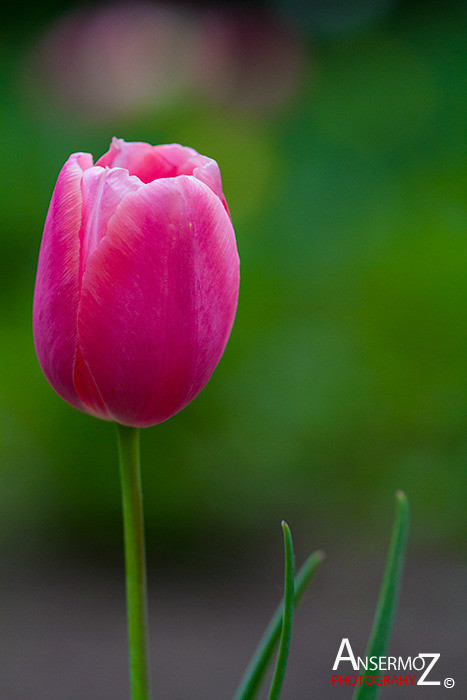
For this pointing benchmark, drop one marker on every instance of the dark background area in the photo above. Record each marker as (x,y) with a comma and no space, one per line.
(339,128)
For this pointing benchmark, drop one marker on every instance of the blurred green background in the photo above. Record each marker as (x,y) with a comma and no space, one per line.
(340,134)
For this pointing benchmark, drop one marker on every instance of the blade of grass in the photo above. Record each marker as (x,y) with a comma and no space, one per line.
(382,624)
(287,618)
(259,664)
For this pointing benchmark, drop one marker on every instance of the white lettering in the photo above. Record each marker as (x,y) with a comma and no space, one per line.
(418,668)
(406,665)
(434,659)
(345,644)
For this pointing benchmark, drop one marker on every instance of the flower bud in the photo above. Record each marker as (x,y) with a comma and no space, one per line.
(137,281)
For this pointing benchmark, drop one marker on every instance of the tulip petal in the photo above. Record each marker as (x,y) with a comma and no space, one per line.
(103,189)
(153,162)
(56,295)
(139,159)
(158,299)
(204,169)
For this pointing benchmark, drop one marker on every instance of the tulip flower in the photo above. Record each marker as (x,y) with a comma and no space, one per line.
(135,297)
(137,281)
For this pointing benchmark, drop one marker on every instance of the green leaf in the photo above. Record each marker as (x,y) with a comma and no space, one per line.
(287,619)
(382,623)
(256,670)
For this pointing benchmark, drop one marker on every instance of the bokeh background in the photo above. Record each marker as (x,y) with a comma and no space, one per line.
(340,130)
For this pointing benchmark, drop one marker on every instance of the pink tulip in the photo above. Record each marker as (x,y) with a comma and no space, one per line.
(137,281)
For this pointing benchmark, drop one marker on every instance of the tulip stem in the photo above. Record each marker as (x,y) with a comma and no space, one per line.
(135,561)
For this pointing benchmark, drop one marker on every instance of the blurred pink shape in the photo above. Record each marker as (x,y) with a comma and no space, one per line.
(118,59)
(122,59)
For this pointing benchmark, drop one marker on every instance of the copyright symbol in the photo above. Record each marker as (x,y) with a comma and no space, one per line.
(449,682)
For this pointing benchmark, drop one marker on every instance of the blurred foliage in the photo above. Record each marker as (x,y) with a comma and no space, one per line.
(345,376)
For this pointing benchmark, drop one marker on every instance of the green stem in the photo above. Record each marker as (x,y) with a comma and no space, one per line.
(135,561)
